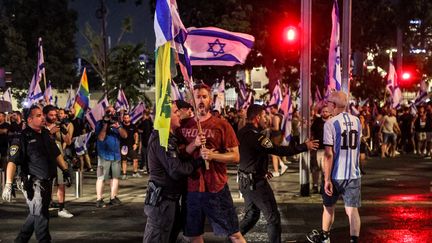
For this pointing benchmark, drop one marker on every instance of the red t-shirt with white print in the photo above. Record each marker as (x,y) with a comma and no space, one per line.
(219,136)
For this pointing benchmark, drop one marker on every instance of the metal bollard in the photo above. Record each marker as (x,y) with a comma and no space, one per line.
(78,184)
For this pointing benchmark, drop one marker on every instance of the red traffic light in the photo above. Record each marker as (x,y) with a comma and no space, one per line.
(290,34)
(406,75)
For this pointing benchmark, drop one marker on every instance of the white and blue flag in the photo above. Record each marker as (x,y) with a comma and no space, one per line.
(81,142)
(276,96)
(217,47)
(121,102)
(393,87)
(71,99)
(334,59)
(97,113)
(287,109)
(35,93)
(169,27)
(137,113)
(422,94)
(48,94)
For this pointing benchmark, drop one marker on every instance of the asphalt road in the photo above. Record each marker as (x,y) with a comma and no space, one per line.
(396,198)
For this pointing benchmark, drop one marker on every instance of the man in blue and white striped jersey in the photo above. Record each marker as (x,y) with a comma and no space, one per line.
(341,168)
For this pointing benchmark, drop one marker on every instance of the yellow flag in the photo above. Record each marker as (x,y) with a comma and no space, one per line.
(163,93)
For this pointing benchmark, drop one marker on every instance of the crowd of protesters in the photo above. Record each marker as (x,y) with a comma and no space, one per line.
(116,142)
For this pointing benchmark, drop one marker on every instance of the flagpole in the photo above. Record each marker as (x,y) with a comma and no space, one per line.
(207,165)
(44,77)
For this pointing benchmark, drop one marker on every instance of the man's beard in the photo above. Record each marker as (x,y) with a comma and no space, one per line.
(50,121)
(202,109)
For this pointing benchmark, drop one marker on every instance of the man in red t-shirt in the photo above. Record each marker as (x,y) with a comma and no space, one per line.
(208,192)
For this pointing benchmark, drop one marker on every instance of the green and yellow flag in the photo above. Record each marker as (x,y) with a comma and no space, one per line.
(164,61)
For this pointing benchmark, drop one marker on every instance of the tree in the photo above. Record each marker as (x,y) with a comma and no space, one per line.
(122,67)
(23,22)
(126,71)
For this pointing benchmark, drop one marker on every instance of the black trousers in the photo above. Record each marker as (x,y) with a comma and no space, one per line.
(38,198)
(144,161)
(261,200)
(164,222)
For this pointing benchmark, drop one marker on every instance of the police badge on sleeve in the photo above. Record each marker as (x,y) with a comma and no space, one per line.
(13,150)
(266,143)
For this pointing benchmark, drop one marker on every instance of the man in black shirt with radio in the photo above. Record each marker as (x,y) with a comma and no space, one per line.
(38,155)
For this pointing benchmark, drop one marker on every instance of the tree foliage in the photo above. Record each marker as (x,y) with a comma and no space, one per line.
(122,68)
(22,22)
(127,71)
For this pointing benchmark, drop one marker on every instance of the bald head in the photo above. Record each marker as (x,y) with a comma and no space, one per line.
(339,98)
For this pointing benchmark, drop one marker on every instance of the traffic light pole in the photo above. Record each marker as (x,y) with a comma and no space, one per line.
(346,46)
(305,80)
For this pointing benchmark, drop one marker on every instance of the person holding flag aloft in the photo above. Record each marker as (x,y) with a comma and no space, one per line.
(208,193)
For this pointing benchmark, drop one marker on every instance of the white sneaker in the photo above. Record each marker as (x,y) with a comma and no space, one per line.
(65,214)
(275,174)
(284,168)
(136,175)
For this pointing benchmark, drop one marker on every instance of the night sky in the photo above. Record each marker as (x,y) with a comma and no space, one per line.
(142,28)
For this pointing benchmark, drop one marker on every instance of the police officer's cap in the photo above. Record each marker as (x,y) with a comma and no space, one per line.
(182,104)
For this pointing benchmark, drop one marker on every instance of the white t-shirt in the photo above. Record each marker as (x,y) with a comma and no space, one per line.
(343,133)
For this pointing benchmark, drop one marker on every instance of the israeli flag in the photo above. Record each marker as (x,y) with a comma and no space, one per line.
(334,59)
(217,47)
(81,142)
(276,96)
(97,113)
(392,86)
(71,99)
(287,108)
(137,113)
(35,93)
(121,102)
(48,94)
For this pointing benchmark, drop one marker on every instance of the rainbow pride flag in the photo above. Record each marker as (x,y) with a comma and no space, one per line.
(82,100)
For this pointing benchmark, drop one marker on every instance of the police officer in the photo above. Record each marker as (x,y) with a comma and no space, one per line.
(253,172)
(38,155)
(167,183)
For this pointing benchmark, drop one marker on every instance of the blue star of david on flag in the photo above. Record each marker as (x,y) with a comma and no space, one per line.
(214,51)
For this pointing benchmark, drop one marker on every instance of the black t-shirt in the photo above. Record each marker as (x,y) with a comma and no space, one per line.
(146,128)
(36,153)
(405,122)
(78,127)
(131,130)
(4,138)
(317,130)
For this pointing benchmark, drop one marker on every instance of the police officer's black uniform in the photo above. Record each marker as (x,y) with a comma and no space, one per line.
(36,153)
(167,183)
(258,195)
